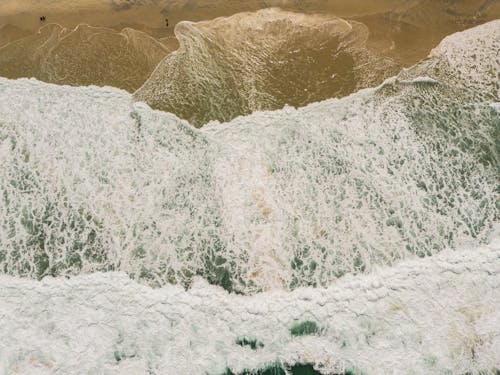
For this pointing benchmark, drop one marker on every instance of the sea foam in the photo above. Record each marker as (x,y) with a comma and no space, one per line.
(91,181)
(429,316)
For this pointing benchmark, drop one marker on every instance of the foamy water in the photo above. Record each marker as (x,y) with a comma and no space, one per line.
(432,316)
(267,205)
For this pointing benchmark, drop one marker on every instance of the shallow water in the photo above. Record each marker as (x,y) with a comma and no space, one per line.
(84,56)
(261,61)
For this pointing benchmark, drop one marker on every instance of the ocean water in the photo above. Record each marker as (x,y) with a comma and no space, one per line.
(330,225)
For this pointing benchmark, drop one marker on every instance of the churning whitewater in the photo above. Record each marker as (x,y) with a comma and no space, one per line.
(308,214)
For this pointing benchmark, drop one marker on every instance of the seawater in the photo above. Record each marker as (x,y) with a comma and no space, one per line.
(311,213)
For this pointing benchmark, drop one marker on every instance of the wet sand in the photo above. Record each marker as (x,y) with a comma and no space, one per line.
(9,33)
(151,13)
(404,29)
(149,20)
(83,56)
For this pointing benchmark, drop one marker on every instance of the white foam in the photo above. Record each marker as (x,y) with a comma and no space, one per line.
(432,316)
(470,58)
(337,185)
